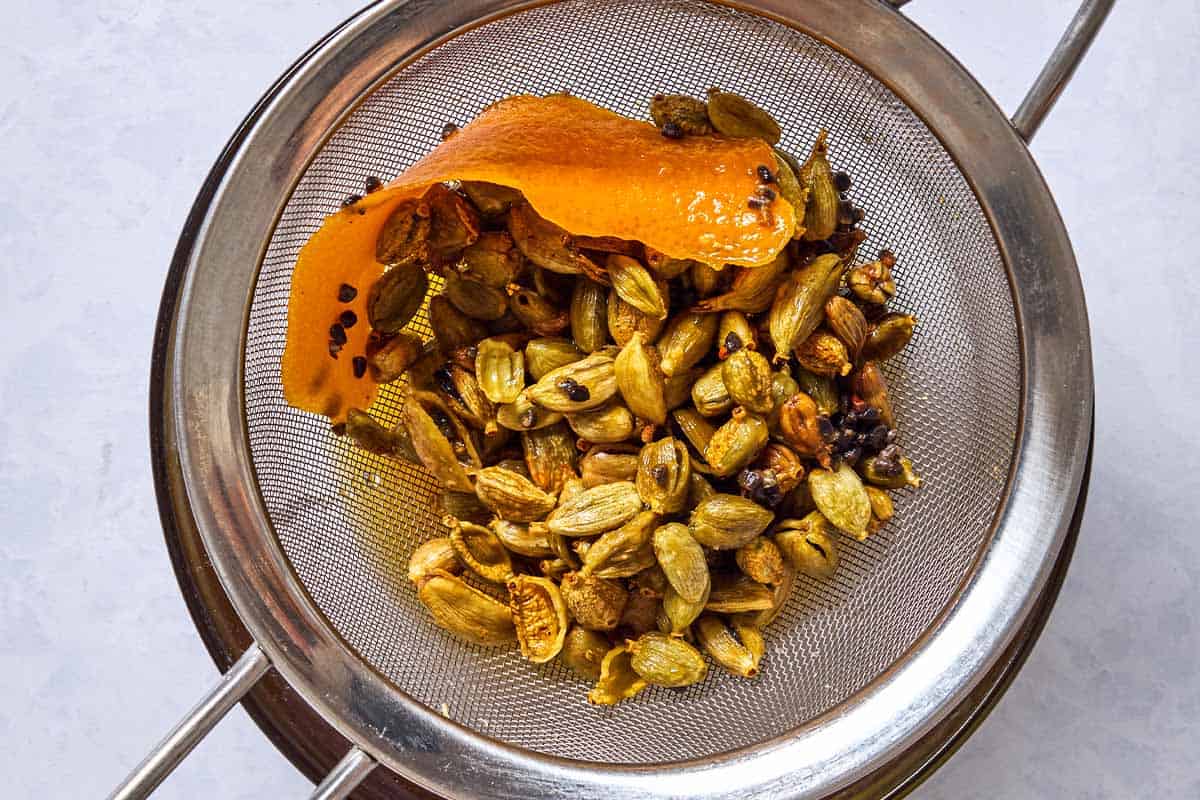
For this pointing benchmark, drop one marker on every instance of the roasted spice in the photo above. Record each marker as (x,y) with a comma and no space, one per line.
(346,293)
(347,319)
(360,366)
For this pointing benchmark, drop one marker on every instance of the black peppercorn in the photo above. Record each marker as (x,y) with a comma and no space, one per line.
(347,319)
(346,293)
(841,181)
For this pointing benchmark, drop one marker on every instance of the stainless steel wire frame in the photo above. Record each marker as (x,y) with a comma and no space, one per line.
(959,230)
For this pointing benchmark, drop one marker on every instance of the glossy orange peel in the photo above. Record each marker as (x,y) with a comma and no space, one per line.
(587,169)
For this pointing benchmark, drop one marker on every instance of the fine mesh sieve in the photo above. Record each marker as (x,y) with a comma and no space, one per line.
(315,534)
(347,519)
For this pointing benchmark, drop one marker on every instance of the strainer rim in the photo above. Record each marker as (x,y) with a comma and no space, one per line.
(192,409)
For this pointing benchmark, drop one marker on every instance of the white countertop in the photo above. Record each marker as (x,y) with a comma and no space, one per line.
(113,111)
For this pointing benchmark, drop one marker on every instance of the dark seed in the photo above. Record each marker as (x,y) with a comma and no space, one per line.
(859,215)
(877,438)
(766,193)
(351,200)
(527,418)
(338,429)
(764,174)
(892,435)
(373,184)
(360,366)
(887,467)
(660,475)
(756,202)
(571,388)
(445,382)
(891,452)
(850,419)
(836,417)
(348,319)
(852,455)
(825,426)
(841,181)
(337,333)
(334,348)
(346,293)
(672,131)
(448,130)
(870,416)
(733,342)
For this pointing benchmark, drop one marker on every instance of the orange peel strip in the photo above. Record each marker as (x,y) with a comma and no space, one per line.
(587,169)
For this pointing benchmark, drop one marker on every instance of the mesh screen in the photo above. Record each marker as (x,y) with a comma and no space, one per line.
(348,520)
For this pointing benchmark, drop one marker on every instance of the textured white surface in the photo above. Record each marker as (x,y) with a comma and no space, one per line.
(110,116)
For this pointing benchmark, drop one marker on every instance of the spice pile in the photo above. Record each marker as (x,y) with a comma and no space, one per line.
(643,451)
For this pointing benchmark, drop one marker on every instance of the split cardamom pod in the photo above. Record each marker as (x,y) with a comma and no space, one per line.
(500,370)
(539,616)
(432,556)
(480,549)
(618,681)
(465,611)
(579,386)
(738,647)
(582,652)
(594,603)
(808,544)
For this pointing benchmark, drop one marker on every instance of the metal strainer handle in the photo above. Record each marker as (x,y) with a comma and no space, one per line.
(355,766)
(1060,66)
(204,716)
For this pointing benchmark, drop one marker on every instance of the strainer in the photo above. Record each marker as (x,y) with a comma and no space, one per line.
(308,537)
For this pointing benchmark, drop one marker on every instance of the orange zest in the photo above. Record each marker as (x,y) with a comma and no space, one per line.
(584,168)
